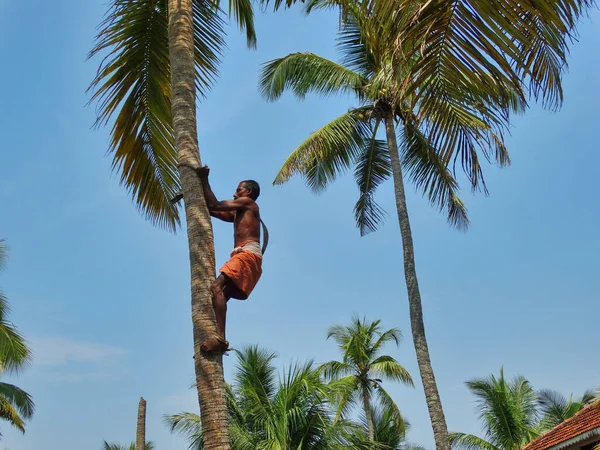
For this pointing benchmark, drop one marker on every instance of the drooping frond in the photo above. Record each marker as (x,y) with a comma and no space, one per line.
(18,398)
(14,353)
(132,89)
(395,415)
(304,73)
(189,426)
(335,369)
(387,367)
(373,167)
(243,14)
(16,406)
(425,168)
(329,151)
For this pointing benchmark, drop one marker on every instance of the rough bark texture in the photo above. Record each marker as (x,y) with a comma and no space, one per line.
(368,415)
(209,369)
(140,434)
(434,403)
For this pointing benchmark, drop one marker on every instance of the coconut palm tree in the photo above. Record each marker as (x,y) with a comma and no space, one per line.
(159,56)
(359,376)
(556,408)
(352,140)
(452,73)
(508,411)
(265,413)
(16,405)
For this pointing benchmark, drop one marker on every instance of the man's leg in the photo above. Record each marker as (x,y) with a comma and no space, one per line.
(219,290)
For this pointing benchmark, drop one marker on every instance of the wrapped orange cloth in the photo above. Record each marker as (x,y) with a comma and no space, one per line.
(245,267)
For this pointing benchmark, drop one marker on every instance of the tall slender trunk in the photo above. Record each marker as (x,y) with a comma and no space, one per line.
(209,369)
(140,433)
(434,403)
(368,415)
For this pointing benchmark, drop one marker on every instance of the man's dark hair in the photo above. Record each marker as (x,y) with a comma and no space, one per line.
(253,186)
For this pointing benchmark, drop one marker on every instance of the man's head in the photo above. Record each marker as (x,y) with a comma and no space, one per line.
(247,188)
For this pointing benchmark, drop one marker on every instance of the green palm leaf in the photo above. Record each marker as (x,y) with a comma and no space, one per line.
(132,89)
(329,151)
(14,353)
(464,441)
(305,73)
(430,174)
(388,403)
(15,405)
(373,167)
(387,367)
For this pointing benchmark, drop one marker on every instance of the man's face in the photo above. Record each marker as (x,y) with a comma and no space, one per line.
(241,191)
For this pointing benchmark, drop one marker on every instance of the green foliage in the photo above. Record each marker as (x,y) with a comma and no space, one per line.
(556,408)
(132,90)
(351,140)
(16,405)
(363,369)
(266,412)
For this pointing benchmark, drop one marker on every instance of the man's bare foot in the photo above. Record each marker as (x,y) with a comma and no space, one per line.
(215,344)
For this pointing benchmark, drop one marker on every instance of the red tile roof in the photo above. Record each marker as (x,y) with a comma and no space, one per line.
(585,420)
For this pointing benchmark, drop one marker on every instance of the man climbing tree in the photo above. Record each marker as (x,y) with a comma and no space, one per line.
(238,276)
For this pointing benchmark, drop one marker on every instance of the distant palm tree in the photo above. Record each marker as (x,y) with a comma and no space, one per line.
(265,413)
(556,408)
(508,412)
(16,405)
(107,446)
(359,375)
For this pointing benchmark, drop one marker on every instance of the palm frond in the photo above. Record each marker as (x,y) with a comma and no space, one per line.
(335,369)
(387,367)
(462,441)
(389,405)
(328,151)
(373,167)
(243,14)
(132,89)
(189,426)
(430,174)
(304,73)
(391,335)
(18,398)
(353,47)
(14,353)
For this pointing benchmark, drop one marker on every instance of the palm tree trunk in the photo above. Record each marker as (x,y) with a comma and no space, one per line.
(140,434)
(368,415)
(209,369)
(434,403)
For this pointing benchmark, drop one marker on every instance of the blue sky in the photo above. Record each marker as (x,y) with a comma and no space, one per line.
(103,297)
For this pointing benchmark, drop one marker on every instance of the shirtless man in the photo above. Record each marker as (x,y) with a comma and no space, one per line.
(241,273)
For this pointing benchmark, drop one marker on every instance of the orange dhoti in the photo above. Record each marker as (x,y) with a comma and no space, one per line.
(244,268)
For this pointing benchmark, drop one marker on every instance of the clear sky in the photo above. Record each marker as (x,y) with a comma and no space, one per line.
(103,297)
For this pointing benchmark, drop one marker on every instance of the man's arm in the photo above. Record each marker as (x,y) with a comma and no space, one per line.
(221,210)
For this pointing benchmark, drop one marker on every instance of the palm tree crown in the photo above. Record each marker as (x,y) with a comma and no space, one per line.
(359,376)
